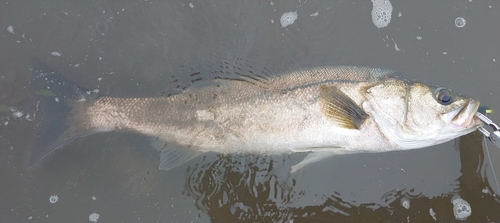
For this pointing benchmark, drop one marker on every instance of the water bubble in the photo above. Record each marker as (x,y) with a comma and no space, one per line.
(460,22)
(53,199)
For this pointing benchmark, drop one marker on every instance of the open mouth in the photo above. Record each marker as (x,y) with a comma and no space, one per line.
(465,115)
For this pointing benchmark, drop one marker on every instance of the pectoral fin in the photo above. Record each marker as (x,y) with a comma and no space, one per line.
(340,108)
(317,155)
(172,155)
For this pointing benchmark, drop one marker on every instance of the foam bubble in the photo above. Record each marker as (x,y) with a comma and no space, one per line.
(94,217)
(460,22)
(433,214)
(16,113)
(381,13)
(314,14)
(10,29)
(405,203)
(461,208)
(288,18)
(53,199)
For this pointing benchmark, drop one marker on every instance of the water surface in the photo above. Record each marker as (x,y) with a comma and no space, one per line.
(153,48)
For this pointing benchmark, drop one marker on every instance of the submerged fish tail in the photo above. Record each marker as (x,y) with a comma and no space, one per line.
(57,97)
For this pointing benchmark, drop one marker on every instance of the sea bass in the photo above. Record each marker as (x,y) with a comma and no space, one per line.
(324,111)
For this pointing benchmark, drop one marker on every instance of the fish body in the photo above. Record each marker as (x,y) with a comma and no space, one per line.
(324,110)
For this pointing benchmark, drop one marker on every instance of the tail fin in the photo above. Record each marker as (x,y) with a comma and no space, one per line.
(54,127)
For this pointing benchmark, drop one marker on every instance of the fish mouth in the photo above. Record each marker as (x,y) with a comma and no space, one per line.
(465,115)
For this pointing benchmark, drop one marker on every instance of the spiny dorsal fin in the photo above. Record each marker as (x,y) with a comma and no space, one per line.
(339,108)
(260,81)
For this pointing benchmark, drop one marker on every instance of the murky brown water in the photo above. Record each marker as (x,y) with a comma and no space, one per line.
(150,48)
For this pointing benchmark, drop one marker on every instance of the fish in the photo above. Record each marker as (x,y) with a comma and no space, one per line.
(322,111)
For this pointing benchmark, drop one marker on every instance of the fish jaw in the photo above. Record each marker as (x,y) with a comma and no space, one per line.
(464,117)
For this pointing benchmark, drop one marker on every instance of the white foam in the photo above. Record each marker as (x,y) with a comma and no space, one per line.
(93,217)
(16,113)
(405,203)
(314,14)
(381,13)
(56,54)
(10,29)
(461,208)
(288,18)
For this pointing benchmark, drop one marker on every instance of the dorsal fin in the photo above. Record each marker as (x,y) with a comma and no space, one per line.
(260,81)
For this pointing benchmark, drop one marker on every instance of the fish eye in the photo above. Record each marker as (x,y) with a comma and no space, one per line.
(443,96)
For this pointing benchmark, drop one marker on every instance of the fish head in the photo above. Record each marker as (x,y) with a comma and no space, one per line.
(415,115)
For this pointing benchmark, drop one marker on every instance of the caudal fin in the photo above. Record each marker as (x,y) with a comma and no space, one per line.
(54,127)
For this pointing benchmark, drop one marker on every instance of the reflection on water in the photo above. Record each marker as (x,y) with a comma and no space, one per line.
(251,188)
(241,187)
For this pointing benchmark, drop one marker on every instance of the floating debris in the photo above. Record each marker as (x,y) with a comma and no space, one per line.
(56,54)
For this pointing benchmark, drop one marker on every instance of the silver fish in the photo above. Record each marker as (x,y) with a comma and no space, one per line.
(324,110)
